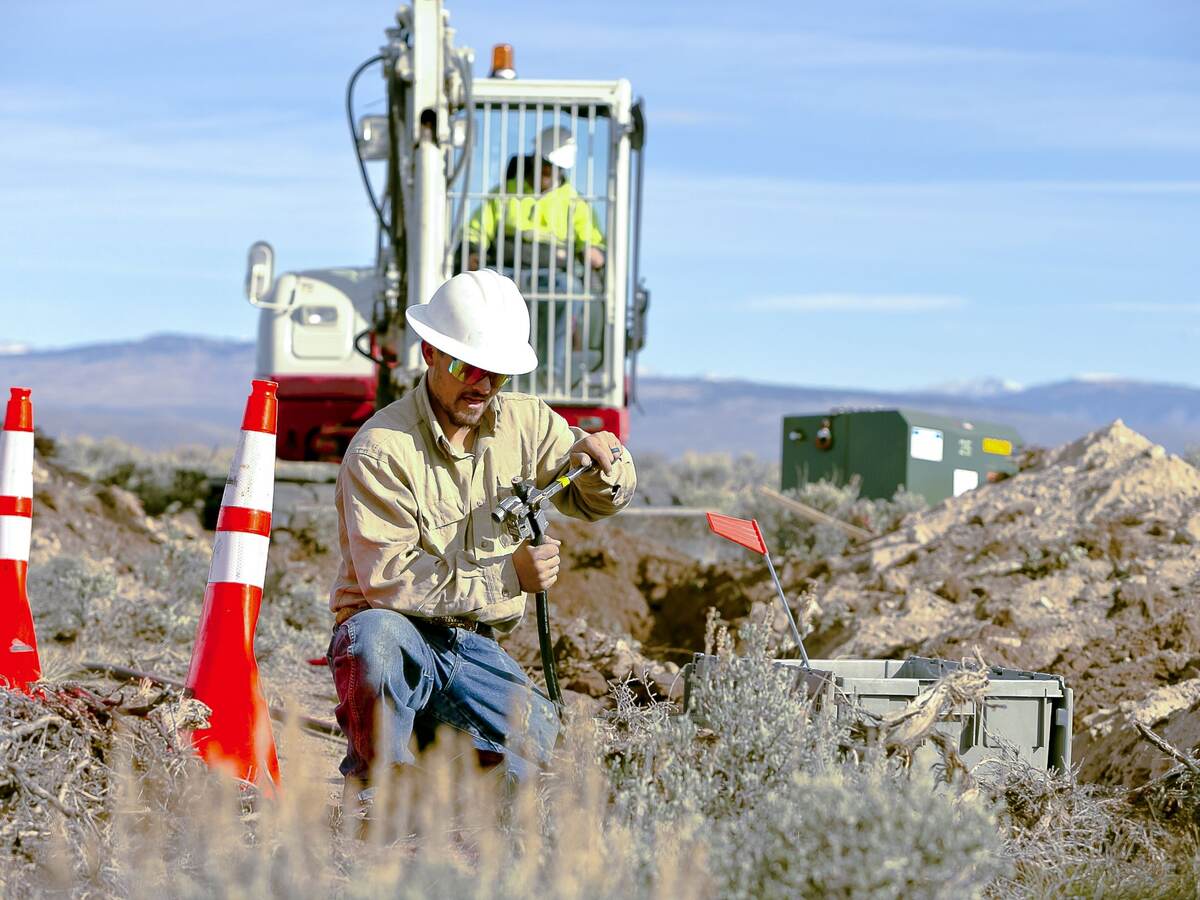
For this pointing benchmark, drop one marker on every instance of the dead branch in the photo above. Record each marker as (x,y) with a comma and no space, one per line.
(29,728)
(36,789)
(1167,748)
(316,726)
(815,515)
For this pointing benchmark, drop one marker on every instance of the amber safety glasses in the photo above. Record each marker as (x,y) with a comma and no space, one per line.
(469,374)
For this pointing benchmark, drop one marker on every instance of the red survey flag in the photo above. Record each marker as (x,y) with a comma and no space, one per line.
(740,531)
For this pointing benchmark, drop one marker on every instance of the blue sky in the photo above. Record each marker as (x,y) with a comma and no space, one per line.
(872,194)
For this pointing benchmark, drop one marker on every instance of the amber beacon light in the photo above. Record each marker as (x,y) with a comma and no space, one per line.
(502,61)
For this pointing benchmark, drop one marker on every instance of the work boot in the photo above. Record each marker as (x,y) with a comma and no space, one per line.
(357,800)
(372,811)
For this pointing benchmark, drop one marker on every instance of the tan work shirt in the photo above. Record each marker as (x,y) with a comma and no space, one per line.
(414,514)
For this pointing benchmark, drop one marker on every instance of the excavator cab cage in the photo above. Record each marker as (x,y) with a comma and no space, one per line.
(561,229)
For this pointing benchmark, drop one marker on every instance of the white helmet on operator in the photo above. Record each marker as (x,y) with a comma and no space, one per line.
(481,318)
(558,146)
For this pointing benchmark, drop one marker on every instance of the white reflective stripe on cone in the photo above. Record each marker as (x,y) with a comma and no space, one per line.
(252,473)
(14,537)
(239,557)
(16,463)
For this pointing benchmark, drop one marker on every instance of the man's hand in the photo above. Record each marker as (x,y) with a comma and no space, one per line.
(597,447)
(537,567)
(595,257)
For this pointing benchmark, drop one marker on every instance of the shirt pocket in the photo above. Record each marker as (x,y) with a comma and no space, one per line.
(443,520)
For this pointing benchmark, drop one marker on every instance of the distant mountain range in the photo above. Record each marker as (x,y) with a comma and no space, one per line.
(169,390)
(743,416)
(165,390)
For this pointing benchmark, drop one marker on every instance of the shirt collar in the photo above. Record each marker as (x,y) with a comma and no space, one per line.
(487,425)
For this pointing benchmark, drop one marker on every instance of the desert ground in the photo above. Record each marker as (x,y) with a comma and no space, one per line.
(1083,565)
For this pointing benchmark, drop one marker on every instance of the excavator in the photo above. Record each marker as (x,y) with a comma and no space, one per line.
(538,179)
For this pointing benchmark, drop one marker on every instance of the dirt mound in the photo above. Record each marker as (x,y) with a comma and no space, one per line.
(78,517)
(1115,752)
(1084,566)
(611,578)
(601,608)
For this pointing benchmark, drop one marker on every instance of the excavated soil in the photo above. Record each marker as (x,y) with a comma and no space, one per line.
(1084,565)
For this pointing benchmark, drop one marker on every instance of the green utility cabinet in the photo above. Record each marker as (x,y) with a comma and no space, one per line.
(934,456)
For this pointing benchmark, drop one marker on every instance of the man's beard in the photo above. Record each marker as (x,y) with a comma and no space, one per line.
(467,419)
(459,418)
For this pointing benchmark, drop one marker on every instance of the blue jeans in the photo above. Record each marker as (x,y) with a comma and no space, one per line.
(398,676)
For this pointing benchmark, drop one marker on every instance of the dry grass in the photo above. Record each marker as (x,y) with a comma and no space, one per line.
(770,797)
(164,481)
(160,826)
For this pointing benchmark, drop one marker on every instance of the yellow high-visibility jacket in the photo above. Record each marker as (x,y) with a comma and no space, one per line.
(539,217)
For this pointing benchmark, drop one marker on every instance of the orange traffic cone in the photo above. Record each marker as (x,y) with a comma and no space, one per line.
(19,663)
(224,673)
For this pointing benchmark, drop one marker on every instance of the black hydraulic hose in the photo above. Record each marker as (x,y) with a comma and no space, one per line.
(547,649)
(362,166)
(464,161)
(638,314)
(357,344)
(396,171)
(366,333)
(542,603)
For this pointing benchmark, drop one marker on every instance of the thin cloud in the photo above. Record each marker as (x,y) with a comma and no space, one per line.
(786,190)
(1151,307)
(875,303)
(790,48)
(1165,187)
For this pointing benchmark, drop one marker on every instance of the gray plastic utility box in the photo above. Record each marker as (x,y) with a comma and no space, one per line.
(1023,713)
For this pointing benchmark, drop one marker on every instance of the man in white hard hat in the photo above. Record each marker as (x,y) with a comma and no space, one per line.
(427,576)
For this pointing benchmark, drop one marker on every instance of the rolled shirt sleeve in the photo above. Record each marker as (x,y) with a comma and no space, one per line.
(593,495)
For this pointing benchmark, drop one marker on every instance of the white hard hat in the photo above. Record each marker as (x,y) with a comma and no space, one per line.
(558,146)
(481,318)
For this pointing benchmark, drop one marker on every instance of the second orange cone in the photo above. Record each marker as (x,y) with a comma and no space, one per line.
(224,672)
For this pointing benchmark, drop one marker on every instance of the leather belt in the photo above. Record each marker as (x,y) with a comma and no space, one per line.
(457,622)
(445,621)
